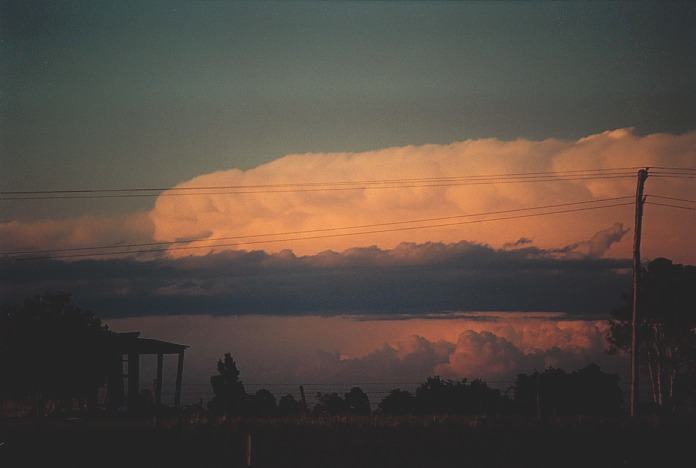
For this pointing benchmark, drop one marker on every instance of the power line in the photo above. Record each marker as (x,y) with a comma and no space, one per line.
(579,174)
(667,176)
(323,186)
(627,170)
(672,168)
(408,228)
(335,384)
(174,193)
(672,198)
(671,206)
(363,181)
(310,231)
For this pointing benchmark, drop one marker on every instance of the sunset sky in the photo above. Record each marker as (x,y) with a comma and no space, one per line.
(306,105)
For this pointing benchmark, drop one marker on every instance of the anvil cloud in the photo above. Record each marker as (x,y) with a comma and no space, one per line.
(211,216)
(222,215)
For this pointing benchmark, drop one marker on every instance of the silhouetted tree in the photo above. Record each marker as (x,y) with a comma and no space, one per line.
(595,392)
(685,391)
(230,397)
(554,392)
(434,396)
(52,349)
(484,399)
(264,403)
(357,402)
(552,387)
(446,396)
(667,327)
(288,406)
(397,403)
(330,404)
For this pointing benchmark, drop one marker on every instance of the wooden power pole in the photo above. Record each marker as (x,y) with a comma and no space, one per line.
(635,369)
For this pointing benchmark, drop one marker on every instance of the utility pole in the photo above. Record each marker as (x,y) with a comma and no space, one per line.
(635,369)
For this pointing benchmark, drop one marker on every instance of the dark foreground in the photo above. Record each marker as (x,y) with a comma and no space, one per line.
(349,442)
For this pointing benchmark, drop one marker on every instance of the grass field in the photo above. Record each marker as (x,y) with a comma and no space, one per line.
(348,442)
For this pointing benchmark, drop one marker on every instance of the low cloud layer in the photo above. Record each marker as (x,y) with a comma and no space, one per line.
(409,279)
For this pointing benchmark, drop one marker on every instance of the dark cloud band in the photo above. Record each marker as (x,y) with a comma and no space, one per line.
(409,279)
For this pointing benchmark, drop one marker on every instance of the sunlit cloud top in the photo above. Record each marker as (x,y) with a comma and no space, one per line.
(225,215)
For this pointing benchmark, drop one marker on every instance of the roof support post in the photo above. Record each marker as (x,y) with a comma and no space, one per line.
(133,379)
(179,372)
(158,381)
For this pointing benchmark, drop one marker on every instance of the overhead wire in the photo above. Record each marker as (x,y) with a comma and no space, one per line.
(671,206)
(298,190)
(576,174)
(266,241)
(674,168)
(673,176)
(359,181)
(311,231)
(522,177)
(685,200)
(173,192)
(312,187)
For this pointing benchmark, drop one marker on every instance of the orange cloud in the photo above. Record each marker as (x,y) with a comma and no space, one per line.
(666,231)
(459,348)
(341,349)
(79,232)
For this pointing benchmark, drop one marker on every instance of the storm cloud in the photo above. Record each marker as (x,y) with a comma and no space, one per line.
(257,216)
(475,354)
(409,279)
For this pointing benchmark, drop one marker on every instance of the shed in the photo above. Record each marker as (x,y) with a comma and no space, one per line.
(127,348)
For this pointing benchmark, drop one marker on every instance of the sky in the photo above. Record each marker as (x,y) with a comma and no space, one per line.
(129,93)
(333,353)
(172,95)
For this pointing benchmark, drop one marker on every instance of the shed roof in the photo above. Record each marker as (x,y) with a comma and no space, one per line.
(130,342)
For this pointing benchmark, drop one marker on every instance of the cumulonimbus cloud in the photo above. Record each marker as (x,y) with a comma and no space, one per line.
(225,215)
(220,215)
(486,352)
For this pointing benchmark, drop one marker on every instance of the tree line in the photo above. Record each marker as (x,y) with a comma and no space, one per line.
(554,392)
